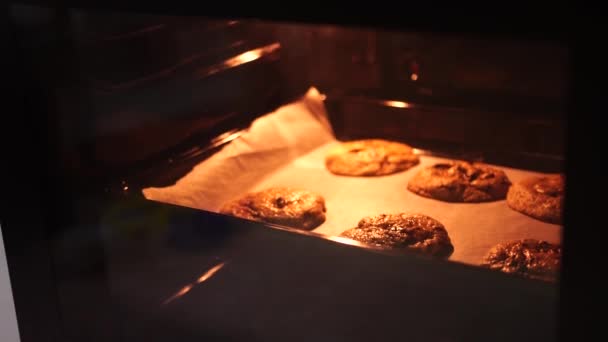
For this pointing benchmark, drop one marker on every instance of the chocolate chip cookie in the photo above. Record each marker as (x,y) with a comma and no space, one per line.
(539,197)
(289,207)
(415,232)
(460,181)
(370,157)
(529,258)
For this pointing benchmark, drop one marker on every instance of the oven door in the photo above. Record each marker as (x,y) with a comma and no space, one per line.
(90,259)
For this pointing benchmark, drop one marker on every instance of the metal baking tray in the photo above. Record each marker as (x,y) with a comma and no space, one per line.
(288,147)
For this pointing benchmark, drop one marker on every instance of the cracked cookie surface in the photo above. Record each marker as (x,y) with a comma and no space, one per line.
(530,258)
(539,197)
(460,181)
(415,232)
(370,157)
(295,208)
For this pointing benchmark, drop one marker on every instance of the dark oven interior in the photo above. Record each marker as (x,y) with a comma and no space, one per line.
(137,101)
(153,85)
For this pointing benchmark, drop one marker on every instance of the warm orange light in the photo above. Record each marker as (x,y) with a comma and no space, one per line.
(179,293)
(243,58)
(414,77)
(184,290)
(251,55)
(125,188)
(208,274)
(397,104)
(344,240)
(228,136)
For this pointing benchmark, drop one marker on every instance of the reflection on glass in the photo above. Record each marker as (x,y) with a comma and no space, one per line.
(205,276)
(210,272)
(345,241)
(251,55)
(397,104)
(245,57)
(228,136)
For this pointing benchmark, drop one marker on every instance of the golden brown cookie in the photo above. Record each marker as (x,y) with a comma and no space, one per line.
(460,181)
(529,258)
(370,157)
(539,197)
(414,232)
(285,206)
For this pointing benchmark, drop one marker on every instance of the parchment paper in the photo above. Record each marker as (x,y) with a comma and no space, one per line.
(287,148)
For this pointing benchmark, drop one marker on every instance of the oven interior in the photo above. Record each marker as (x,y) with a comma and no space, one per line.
(141,102)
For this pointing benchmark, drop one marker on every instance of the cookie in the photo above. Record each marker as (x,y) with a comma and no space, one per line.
(370,157)
(460,181)
(539,197)
(415,232)
(289,207)
(529,258)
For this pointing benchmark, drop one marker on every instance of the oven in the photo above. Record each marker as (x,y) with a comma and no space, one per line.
(144,126)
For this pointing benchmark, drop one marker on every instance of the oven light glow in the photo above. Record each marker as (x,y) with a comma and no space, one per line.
(183,291)
(397,104)
(243,58)
(344,240)
(414,77)
(251,55)
(210,273)
(125,188)
(228,136)
(205,276)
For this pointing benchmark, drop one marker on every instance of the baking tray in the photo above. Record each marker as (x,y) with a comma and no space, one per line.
(288,147)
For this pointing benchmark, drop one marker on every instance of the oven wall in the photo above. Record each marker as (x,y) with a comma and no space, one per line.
(465,95)
(129,90)
(364,59)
